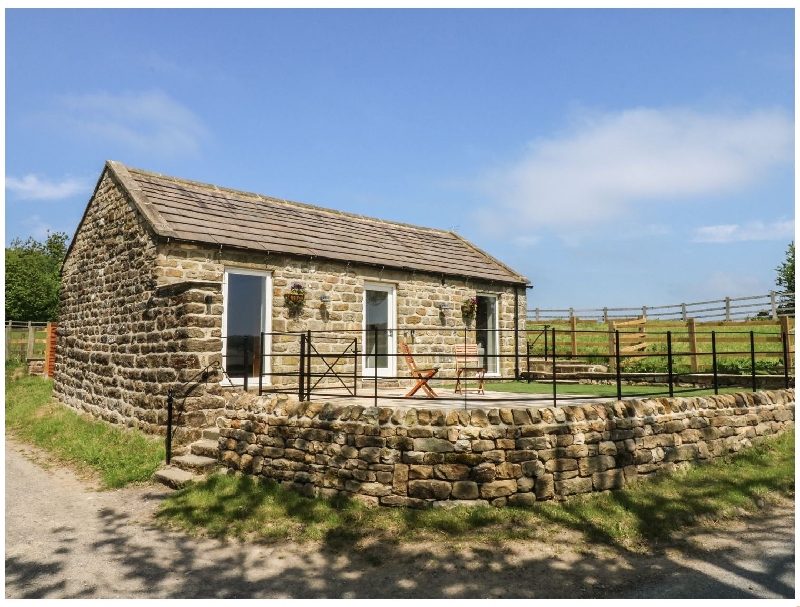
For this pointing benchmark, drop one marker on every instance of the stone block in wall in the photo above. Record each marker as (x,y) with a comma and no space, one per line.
(573,486)
(499,488)
(464,490)
(610,479)
(522,500)
(429,489)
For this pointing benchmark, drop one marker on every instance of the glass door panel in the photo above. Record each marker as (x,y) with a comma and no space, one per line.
(379,329)
(486,331)
(245,303)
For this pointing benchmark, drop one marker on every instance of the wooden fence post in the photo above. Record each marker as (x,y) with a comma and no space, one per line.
(690,325)
(573,325)
(8,339)
(31,340)
(50,349)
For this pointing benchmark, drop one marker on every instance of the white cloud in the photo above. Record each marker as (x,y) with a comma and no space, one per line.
(718,285)
(37,228)
(606,164)
(31,187)
(755,230)
(149,121)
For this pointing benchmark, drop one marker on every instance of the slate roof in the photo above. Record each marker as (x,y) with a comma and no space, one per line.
(204,213)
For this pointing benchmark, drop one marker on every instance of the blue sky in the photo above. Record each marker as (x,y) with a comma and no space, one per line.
(614,157)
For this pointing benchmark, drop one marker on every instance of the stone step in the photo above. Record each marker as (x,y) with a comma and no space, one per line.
(197,464)
(205,447)
(176,478)
(211,433)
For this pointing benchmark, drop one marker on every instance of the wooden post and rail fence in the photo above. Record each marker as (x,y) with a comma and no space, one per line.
(32,342)
(756,338)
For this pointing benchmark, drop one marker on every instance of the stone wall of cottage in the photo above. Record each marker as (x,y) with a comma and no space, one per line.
(418,458)
(123,339)
(430,331)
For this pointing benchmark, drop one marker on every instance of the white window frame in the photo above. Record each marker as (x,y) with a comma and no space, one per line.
(495,332)
(391,370)
(266,326)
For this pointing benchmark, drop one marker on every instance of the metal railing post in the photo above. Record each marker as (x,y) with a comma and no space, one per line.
(261,366)
(308,368)
(555,391)
(528,358)
(617,360)
(355,367)
(785,344)
(246,372)
(170,401)
(714,360)
(669,363)
(375,342)
(301,384)
(464,384)
(545,343)
(753,359)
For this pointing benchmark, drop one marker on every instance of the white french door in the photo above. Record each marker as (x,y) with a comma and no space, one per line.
(246,297)
(486,332)
(380,319)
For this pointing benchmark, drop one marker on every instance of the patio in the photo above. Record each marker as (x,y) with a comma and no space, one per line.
(447,399)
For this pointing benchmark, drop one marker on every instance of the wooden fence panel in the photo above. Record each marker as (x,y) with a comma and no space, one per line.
(50,350)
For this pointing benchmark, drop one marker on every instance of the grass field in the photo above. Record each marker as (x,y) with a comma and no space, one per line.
(119,456)
(732,344)
(520,387)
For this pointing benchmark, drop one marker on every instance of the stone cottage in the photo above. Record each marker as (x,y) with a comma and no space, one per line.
(166,277)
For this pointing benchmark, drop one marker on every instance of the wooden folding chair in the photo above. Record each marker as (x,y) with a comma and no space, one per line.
(467,361)
(421,375)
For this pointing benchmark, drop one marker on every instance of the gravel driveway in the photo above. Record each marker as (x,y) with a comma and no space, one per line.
(64,539)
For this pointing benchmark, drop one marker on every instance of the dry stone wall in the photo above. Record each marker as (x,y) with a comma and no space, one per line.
(418,458)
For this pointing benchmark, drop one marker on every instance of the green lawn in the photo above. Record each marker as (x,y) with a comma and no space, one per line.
(733,356)
(119,456)
(521,387)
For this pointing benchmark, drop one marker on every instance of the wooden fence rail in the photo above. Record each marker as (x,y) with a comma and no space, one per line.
(771,305)
(27,341)
(688,339)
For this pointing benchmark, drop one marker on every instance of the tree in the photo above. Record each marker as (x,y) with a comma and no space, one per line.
(786,271)
(33,277)
(785,280)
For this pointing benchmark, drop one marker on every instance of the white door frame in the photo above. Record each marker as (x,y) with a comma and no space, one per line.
(266,324)
(366,361)
(494,333)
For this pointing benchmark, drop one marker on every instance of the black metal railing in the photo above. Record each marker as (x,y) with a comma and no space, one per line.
(310,363)
(184,390)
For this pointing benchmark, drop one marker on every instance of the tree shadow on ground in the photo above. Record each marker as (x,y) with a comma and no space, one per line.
(154,562)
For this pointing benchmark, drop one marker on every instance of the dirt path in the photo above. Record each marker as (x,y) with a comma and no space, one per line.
(64,539)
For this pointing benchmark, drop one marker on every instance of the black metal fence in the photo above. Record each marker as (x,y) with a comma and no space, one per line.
(310,363)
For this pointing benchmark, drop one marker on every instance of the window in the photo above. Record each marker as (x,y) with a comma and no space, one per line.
(246,315)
